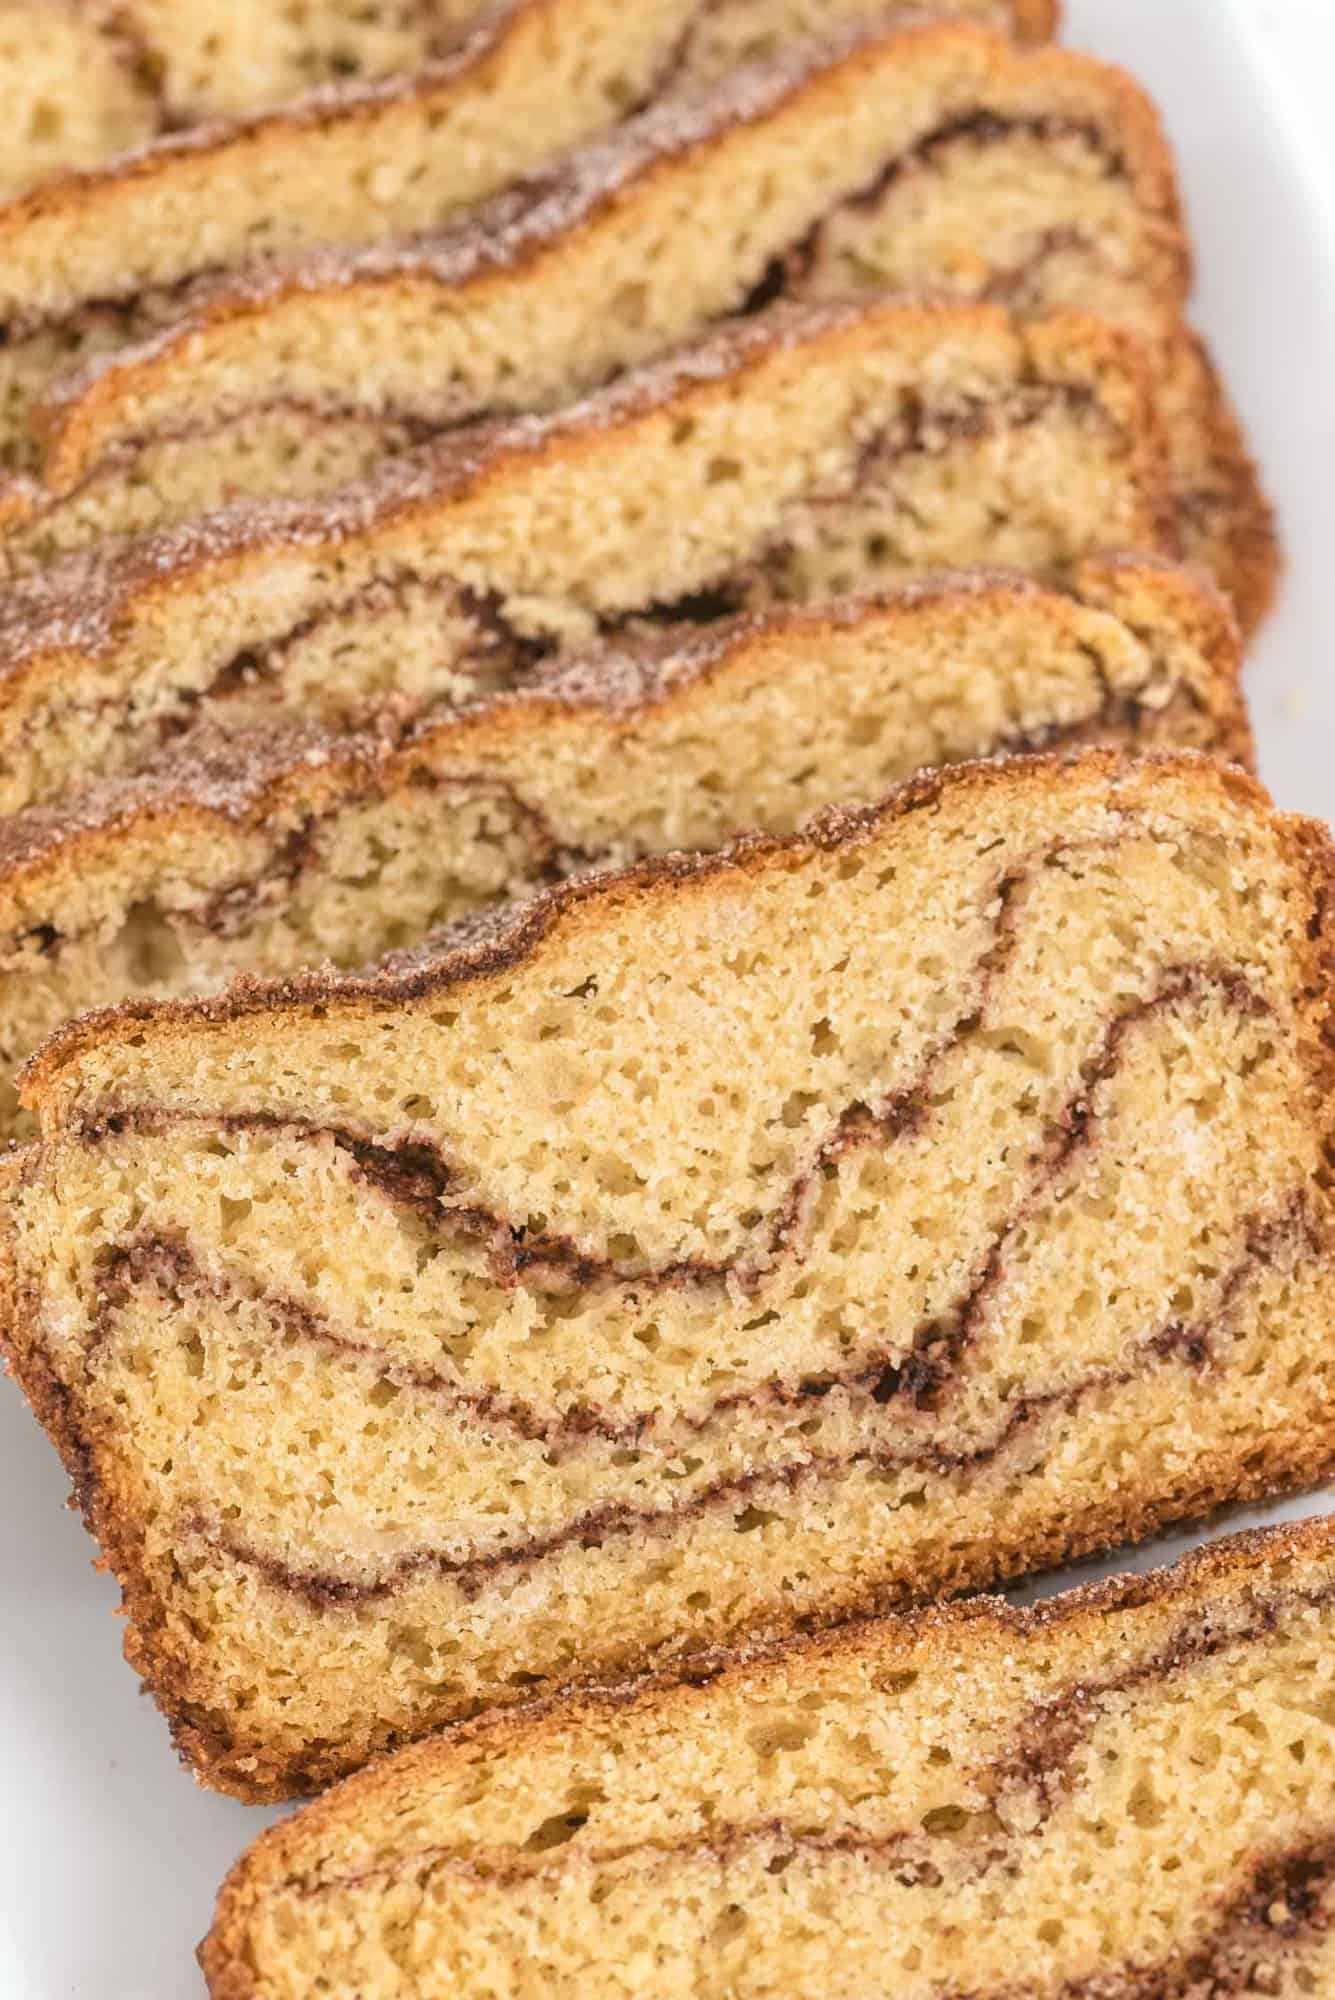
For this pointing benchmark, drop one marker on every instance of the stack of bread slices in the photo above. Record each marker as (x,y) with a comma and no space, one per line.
(556,1143)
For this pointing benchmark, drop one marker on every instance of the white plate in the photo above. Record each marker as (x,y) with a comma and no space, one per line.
(109,1855)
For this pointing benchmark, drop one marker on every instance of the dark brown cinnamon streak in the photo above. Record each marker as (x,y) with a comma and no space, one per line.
(1279,1905)
(170,1265)
(1281,1902)
(500,651)
(230,910)
(1031,1734)
(323,1590)
(976,128)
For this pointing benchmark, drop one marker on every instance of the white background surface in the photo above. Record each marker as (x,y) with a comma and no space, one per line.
(109,1856)
(1298,38)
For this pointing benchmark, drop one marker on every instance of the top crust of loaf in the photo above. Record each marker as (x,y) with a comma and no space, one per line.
(1036,20)
(80,606)
(935,1635)
(493,942)
(99,194)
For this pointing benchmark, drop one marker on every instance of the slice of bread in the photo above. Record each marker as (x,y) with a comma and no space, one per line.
(267,850)
(1128,1791)
(637,240)
(800,454)
(92,259)
(935,157)
(83,79)
(695,1252)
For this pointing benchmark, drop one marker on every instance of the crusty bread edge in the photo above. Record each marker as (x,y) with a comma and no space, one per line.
(515,932)
(79,609)
(1247,551)
(513,35)
(491,36)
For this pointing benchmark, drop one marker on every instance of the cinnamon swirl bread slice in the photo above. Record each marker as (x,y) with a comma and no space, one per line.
(271,850)
(799,455)
(83,79)
(639,239)
(935,157)
(1128,1791)
(694,1253)
(95,258)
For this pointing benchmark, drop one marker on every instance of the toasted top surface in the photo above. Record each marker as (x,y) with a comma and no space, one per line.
(997,1679)
(956,1636)
(88,197)
(1107,956)
(148,218)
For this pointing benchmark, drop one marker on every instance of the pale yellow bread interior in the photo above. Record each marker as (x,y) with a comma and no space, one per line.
(267,850)
(795,456)
(86,79)
(1128,1791)
(693,1254)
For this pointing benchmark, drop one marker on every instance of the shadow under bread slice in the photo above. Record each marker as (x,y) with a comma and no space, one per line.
(1129,1790)
(271,850)
(693,1253)
(92,259)
(803,454)
(935,158)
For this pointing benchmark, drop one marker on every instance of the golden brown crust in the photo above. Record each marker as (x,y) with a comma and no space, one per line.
(933,1634)
(1291,1463)
(121,202)
(1237,535)
(1286,1463)
(1197,1575)
(111,613)
(81,608)
(97,194)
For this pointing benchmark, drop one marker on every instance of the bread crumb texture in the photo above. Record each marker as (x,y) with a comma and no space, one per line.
(923,156)
(85,79)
